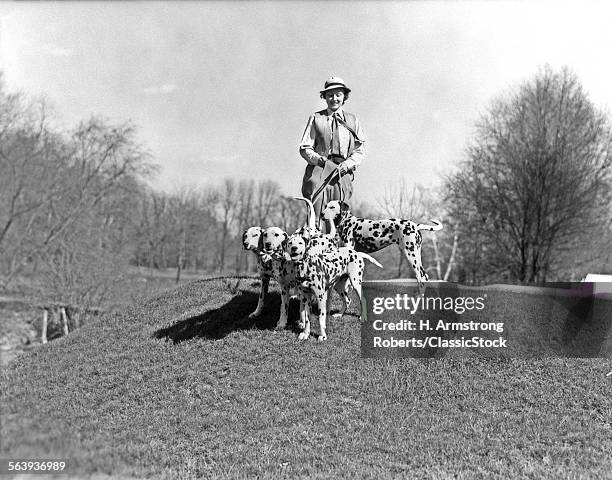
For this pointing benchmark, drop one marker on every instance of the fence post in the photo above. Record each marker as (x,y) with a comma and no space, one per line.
(43,333)
(64,320)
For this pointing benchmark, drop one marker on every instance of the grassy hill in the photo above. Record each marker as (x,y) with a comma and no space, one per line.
(184,385)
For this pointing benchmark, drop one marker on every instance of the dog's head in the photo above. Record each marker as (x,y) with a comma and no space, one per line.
(335,211)
(305,242)
(273,240)
(251,238)
(296,247)
(306,232)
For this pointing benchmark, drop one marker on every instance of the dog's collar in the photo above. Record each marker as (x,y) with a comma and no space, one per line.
(274,254)
(265,258)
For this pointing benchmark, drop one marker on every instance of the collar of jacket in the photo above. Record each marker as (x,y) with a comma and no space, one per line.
(339,111)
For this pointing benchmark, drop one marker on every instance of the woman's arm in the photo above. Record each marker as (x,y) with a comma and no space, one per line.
(359,151)
(307,145)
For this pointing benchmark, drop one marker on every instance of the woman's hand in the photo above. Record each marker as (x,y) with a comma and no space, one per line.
(344,168)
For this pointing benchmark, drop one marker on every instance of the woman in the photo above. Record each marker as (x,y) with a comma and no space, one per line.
(333,139)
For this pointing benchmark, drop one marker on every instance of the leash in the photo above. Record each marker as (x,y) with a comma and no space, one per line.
(334,174)
(325,183)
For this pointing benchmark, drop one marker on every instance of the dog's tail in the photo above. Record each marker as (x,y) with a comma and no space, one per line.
(311,213)
(432,228)
(371,259)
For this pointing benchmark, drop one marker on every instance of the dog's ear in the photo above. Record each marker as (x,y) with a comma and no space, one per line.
(312,242)
(344,207)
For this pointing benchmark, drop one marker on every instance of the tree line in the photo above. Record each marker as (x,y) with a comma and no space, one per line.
(529,202)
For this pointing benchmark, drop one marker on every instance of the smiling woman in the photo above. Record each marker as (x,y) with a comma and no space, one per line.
(332,139)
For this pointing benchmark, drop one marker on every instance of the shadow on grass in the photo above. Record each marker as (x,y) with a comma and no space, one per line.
(231,317)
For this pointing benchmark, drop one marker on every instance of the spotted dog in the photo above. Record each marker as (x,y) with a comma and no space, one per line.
(252,242)
(283,270)
(318,273)
(310,238)
(263,242)
(296,249)
(369,236)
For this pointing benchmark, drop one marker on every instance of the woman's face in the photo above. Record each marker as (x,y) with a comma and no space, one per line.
(334,98)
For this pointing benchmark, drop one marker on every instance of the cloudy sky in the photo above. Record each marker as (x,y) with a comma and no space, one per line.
(222,89)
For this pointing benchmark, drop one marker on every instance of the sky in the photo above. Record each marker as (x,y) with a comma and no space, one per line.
(224,89)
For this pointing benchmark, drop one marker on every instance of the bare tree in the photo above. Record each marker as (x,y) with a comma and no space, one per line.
(227,214)
(536,183)
(400,201)
(155,229)
(289,214)
(266,201)
(245,195)
(66,226)
(50,181)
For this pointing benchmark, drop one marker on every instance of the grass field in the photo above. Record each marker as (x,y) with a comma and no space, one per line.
(184,385)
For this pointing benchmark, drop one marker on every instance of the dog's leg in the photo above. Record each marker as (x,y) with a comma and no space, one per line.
(305,317)
(342,288)
(414,260)
(322,302)
(284,309)
(296,294)
(356,277)
(265,282)
(303,312)
(421,274)
(422,278)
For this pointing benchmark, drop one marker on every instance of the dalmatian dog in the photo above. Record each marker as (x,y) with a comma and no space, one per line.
(297,247)
(263,243)
(365,235)
(283,271)
(252,241)
(318,273)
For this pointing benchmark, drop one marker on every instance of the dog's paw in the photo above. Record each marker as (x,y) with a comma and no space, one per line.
(337,315)
(322,338)
(254,314)
(303,336)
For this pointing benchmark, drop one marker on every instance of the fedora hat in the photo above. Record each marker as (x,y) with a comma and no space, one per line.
(334,82)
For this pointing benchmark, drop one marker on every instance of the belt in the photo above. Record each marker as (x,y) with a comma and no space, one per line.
(337,159)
